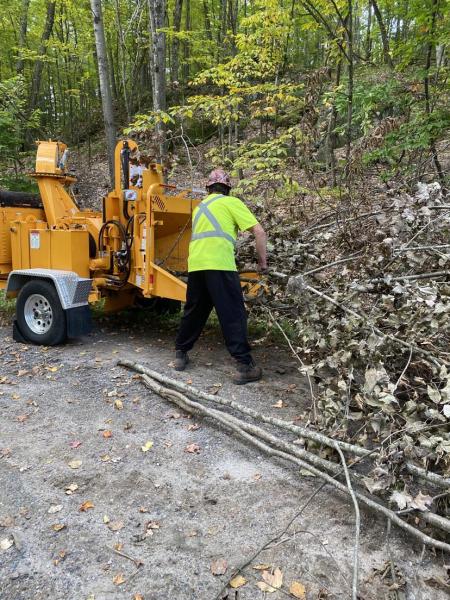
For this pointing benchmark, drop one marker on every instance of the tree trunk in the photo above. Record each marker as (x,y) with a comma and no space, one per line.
(428,108)
(157,11)
(368,32)
(383,33)
(105,90)
(22,33)
(349,35)
(39,65)
(176,42)
(187,49)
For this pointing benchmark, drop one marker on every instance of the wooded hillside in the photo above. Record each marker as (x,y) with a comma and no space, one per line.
(282,83)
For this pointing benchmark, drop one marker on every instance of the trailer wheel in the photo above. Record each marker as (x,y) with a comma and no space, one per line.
(40,316)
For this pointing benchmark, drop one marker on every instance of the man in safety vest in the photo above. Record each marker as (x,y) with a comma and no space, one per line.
(213,281)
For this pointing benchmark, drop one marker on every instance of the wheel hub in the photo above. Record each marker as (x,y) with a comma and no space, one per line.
(38,314)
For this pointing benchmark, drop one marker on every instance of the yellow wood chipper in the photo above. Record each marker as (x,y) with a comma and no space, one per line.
(57,259)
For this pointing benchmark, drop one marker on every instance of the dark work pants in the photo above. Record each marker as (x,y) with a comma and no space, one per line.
(221,290)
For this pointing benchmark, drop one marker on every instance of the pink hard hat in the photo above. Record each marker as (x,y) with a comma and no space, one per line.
(219,176)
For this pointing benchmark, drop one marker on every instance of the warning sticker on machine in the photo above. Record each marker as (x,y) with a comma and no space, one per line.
(35,240)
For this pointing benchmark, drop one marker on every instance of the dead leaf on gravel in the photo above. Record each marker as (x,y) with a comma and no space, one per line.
(138,597)
(15,397)
(189,381)
(116,525)
(5,452)
(168,444)
(86,506)
(112,393)
(263,567)
(75,444)
(278,404)
(71,488)
(107,433)
(7,521)
(193,427)
(297,590)
(118,404)
(192,449)
(54,509)
(22,372)
(58,526)
(219,566)
(53,369)
(22,418)
(421,502)
(257,476)
(118,579)
(75,464)
(105,458)
(106,519)
(272,581)
(238,582)
(147,446)
(6,543)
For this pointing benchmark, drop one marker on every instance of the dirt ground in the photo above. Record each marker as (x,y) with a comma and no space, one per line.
(173,510)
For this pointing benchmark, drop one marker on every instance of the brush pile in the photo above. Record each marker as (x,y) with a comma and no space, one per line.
(364,296)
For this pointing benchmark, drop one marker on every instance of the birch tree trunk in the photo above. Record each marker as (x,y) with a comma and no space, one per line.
(39,65)
(105,89)
(176,42)
(22,33)
(157,11)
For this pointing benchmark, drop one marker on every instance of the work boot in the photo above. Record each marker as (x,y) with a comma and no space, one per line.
(247,373)
(181,360)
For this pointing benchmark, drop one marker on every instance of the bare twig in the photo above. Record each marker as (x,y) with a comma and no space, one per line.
(137,561)
(357,525)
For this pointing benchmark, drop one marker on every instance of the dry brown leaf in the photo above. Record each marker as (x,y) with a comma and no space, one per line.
(22,372)
(272,581)
(71,488)
(86,506)
(118,404)
(192,449)
(54,509)
(52,369)
(297,590)
(107,433)
(143,509)
(278,404)
(75,444)
(193,427)
(105,458)
(15,397)
(116,525)
(238,582)
(118,579)
(219,566)
(7,521)
(75,464)
(138,597)
(263,567)
(58,526)
(22,418)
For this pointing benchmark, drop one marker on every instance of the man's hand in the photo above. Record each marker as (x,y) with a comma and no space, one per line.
(261,247)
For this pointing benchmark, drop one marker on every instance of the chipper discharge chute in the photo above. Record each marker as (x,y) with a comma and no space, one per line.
(56,258)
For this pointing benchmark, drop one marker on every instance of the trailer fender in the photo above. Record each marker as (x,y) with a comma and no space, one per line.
(73,291)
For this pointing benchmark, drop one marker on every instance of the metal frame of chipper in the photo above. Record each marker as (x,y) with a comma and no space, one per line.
(57,258)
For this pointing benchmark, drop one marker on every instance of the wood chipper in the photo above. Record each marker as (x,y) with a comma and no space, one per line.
(56,259)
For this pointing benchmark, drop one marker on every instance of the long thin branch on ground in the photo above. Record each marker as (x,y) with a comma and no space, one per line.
(195,407)
(357,525)
(299,430)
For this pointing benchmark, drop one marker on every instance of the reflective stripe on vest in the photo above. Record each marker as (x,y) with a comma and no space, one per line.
(218,232)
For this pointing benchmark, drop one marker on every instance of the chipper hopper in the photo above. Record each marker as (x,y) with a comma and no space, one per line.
(57,259)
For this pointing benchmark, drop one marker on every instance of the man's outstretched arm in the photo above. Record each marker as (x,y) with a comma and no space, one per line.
(261,246)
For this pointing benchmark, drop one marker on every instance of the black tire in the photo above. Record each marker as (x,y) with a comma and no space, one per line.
(53,326)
